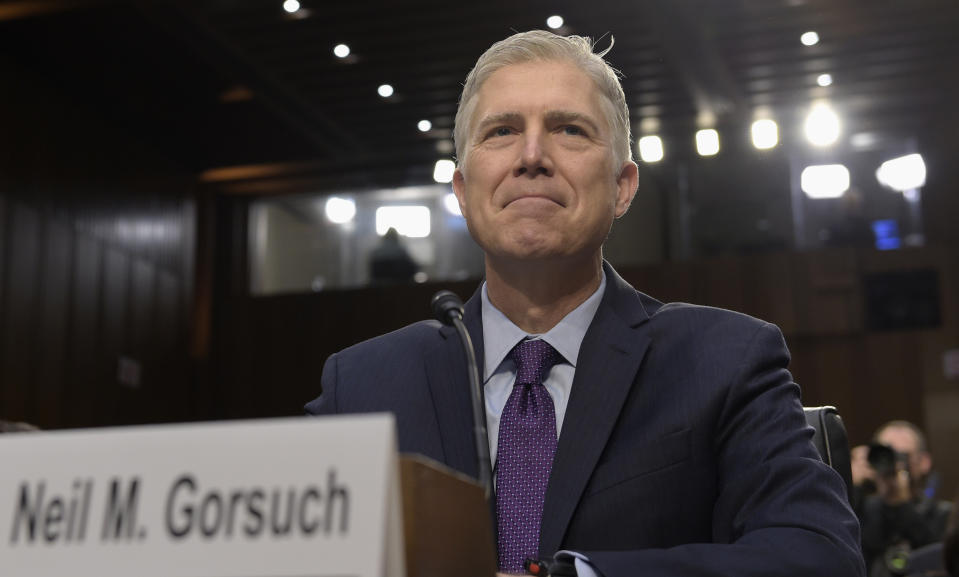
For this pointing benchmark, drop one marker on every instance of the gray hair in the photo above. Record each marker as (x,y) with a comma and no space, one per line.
(541,45)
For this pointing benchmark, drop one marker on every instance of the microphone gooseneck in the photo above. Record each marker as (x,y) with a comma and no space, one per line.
(448,309)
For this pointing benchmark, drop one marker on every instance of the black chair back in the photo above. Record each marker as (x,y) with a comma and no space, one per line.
(831,442)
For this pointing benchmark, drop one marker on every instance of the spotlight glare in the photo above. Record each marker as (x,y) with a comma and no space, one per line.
(651,148)
(707,142)
(822,125)
(903,173)
(554,22)
(443,171)
(291,6)
(825,180)
(341,50)
(824,79)
(765,134)
(424,125)
(385,90)
(809,38)
(452,205)
(340,210)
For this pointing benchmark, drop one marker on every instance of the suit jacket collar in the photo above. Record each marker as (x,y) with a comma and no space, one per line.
(609,358)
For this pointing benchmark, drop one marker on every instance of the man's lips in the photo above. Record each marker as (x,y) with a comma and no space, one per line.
(534,197)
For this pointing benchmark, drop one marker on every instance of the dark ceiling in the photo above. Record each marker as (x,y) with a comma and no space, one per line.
(243,94)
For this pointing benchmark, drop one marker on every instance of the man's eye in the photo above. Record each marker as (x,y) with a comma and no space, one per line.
(501,131)
(574,130)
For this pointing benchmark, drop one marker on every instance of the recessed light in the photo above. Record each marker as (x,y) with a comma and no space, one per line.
(707,142)
(822,125)
(651,148)
(765,134)
(340,210)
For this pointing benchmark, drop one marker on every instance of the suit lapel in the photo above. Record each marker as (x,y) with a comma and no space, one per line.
(609,358)
(449,384)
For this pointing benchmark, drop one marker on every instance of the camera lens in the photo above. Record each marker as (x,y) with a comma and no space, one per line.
(883,459)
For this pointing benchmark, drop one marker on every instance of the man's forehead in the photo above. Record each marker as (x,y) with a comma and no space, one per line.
(495,101)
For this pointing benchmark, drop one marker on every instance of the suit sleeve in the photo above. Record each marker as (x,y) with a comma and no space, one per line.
(325,404)
(779,511)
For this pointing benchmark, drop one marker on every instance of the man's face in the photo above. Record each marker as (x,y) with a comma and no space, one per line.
(538,180)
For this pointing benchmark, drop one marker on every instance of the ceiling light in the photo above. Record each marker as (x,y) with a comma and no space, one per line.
(651,148)
(385,90)
(825,180)
(554,22)
(424,125)
(341,50)
(824,79)
(452,205)
(443,171)
(340,210)
(408,220)
(822,125)
(649,125)
(707,142)
(765,134)
(291,6)
(863,140)
(903,173)
(809,38)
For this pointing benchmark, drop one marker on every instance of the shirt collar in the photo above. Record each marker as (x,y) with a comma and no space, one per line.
(500,335)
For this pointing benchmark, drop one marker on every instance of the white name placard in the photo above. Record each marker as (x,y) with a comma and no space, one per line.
(300,497)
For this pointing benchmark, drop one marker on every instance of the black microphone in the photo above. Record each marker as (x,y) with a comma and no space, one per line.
(448,309)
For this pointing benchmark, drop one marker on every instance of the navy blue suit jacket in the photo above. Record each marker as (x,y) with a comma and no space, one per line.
(684,449)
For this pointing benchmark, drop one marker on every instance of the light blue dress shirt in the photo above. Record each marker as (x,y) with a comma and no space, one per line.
(500,335)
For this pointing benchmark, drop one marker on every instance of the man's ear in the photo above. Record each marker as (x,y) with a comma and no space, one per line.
(459,189)
(626,184)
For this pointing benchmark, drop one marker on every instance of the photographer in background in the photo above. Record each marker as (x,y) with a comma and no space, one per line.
(899,516)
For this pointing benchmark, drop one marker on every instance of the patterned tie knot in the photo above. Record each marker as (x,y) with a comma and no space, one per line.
(534,358)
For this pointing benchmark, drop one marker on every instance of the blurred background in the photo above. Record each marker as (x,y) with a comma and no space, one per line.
(192,193)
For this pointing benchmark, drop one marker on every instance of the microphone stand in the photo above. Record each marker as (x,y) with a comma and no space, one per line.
(448,309)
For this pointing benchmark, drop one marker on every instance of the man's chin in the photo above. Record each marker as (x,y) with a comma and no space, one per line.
(533,255)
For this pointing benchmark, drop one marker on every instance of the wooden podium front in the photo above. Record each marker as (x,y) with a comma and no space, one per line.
(446,522)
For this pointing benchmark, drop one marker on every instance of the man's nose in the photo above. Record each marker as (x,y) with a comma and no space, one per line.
(534,159)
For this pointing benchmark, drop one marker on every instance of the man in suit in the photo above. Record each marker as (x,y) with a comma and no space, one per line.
(629,437)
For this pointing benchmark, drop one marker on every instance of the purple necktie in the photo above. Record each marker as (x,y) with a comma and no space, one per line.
(524,455)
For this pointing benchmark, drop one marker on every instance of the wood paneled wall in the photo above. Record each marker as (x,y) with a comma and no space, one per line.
(83,287)
(96,260)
